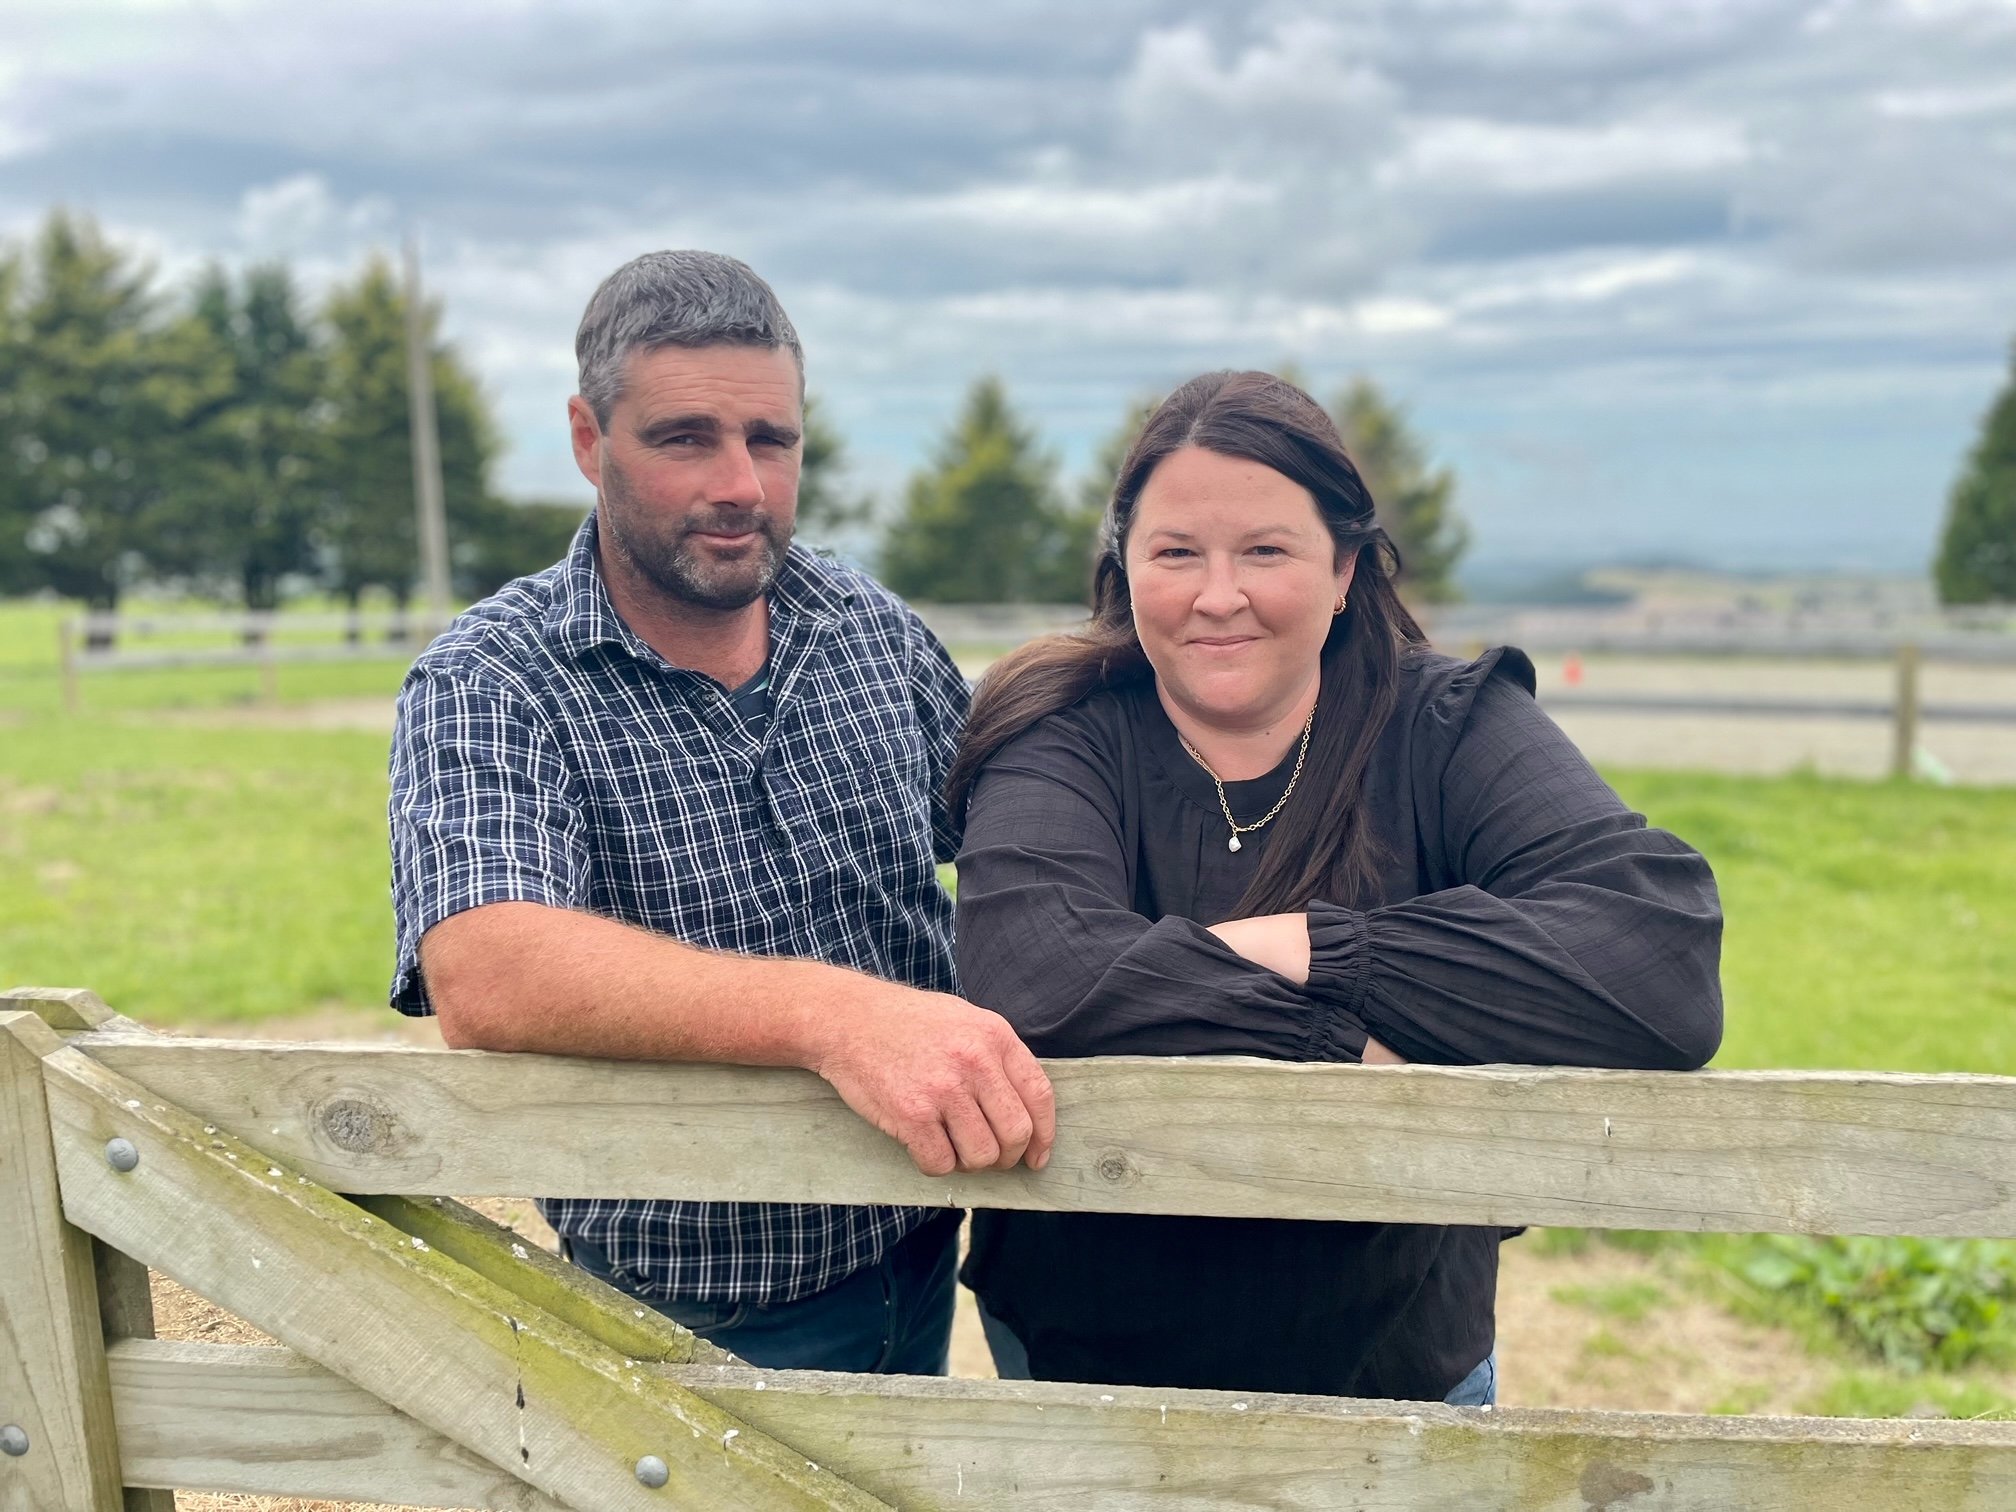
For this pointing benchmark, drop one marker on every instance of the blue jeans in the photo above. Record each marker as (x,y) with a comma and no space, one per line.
(1480,1387)
(1011,1363)
(893,1318)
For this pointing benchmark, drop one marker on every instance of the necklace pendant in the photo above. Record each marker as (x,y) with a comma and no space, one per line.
(1232,844)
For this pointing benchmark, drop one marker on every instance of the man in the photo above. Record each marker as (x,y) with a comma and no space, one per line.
(678,797)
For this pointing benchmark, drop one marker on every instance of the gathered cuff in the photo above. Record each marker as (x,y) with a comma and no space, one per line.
(1340,961)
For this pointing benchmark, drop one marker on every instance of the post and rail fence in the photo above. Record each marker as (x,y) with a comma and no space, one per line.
(265,640)
(93,643)
(427,1357)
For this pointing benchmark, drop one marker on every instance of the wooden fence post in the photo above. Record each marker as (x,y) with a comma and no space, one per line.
(56,1427)
(125,1290)
(1904,729)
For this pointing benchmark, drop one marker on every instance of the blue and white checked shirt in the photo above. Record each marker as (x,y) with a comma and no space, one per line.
(545,753)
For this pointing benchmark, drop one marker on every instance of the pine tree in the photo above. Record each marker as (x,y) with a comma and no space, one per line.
(100,392)
(261,452)
(17,572)
(371,530)
(1977,551)
(1415,502)
(980,524)
(1077,539)
(826,508)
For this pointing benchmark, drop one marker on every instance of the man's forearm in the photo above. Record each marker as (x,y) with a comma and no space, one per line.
(527,977)
(948,1079)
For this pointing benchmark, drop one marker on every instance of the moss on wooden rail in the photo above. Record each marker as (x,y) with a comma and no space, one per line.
(438,1317)
(409,1323)
(990,1446)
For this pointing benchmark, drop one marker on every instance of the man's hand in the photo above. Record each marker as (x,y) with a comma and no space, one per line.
(951,1081)
(948,1079)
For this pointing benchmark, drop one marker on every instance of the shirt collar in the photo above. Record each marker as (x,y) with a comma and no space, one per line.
(582,616)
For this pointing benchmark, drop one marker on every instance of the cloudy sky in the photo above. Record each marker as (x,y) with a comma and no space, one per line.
(1730,278)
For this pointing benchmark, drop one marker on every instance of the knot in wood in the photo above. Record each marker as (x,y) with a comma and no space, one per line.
(1115,1167)
(1605,1486)
(360,1125)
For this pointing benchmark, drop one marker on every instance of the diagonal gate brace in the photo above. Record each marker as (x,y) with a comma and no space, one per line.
(480,1362)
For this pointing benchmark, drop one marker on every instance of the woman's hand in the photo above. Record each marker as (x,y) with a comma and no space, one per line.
(1279,942)
(1377,1054)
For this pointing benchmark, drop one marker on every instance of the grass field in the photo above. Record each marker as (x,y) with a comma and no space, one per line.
(194,873)
(197,869)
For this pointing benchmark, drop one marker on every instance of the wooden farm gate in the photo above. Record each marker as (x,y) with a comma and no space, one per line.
(431,1359)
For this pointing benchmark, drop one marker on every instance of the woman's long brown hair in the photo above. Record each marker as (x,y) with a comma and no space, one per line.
(1322,846)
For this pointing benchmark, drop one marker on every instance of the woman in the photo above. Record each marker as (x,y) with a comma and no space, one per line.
(1248,812)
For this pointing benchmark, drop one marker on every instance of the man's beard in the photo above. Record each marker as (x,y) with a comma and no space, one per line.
(662,551)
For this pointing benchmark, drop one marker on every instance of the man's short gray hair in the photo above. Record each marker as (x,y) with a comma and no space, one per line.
(675,299)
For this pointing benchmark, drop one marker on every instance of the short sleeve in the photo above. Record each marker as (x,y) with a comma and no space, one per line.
(483,810)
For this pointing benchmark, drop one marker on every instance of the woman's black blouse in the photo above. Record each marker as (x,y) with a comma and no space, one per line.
(1524,915)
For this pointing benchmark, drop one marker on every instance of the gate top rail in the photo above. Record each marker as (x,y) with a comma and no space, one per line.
(1722,1151)
(412,1329)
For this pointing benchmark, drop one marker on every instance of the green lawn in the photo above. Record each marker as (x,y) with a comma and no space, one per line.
(204,867)
(30,683)
(1870,925)
(190,872)
(206,872)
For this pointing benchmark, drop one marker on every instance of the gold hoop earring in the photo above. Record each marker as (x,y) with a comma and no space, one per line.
(1340,605)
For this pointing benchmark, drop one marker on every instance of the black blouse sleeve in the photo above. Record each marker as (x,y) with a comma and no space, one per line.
(1049,939)
(1578,936)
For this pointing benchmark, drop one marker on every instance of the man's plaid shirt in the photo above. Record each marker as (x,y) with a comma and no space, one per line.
(545,753)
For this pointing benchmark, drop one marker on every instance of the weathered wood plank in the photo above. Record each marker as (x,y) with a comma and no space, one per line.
(269,1422)
(61,1008)
(53,1387)
(126,1311)
(125,1300)
(264,1420)
(1796,1152)
(566,1291)
(479,1365)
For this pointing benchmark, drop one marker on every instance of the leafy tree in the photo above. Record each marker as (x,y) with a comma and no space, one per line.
(979,525)
(260,453)
(1977,552)
(99,399)
(371,535)
(1415,502)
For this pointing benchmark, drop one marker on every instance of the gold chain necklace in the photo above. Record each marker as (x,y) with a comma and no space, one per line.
(1239,829)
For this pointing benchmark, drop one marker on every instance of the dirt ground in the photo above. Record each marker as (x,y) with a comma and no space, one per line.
(1766,745)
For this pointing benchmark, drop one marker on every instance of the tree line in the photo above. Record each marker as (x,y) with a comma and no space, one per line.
(988,520)
(1977,550)
(235,439)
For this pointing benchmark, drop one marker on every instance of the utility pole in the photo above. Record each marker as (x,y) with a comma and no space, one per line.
(431,512)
